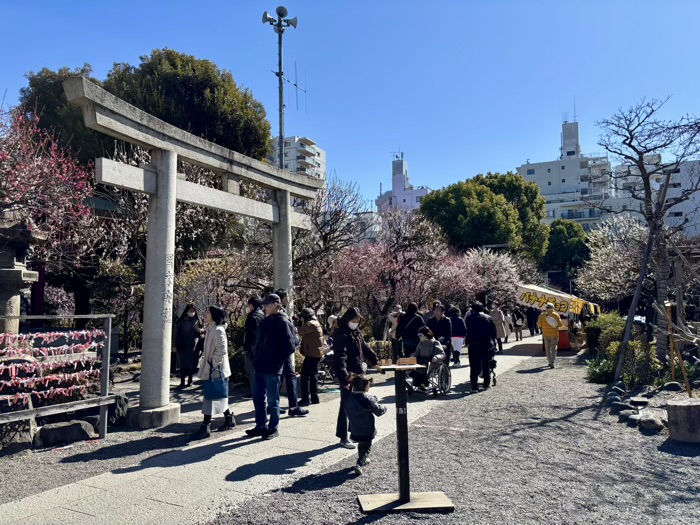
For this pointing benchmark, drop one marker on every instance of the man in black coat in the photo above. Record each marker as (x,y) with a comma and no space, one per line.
(289,372)
(481,337)
(255,315)
(441,326)
(275,342)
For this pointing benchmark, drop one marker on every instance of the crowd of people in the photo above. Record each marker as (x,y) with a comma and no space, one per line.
(272,335)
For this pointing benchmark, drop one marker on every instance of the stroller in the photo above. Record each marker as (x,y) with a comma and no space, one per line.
(326,370)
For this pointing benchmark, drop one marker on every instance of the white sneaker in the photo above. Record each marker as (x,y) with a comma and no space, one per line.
(346,443)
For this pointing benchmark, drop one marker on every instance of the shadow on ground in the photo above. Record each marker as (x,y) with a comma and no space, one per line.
(277,466)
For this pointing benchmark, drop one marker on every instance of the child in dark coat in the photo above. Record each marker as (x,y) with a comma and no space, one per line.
(361,410)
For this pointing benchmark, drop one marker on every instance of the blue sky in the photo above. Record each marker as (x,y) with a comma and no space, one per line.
(462,87)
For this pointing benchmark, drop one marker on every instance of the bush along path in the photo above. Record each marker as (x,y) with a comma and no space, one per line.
(540,448)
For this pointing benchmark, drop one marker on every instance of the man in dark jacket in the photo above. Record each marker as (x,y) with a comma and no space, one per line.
(441,326)
(289,372)
(407,330)
(255,315)
(481,336)
(275,342)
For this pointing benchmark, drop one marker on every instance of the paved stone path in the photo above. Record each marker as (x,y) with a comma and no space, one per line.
(198,482)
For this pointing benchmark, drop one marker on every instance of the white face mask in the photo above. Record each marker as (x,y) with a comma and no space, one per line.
(353,326)
(190,313)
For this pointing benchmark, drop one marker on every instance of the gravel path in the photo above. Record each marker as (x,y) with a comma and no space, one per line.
(538,448)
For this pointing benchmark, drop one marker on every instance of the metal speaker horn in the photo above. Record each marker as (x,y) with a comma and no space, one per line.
(267,19)
(293,22)
(282,11)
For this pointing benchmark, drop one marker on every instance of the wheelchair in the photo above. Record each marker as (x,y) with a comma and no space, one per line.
(439,380)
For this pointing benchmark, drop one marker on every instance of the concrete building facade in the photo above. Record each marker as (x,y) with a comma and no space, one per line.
(301,155)
(576,185)
(403,195)
(586,188)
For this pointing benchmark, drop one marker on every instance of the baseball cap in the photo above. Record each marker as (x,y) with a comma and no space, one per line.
(273,298)
(550,306)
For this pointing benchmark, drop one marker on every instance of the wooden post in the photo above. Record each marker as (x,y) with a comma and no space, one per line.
(680,321)
(673,359)
(402,435)
(405,500)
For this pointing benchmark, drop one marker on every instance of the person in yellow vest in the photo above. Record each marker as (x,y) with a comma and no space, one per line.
(549,323)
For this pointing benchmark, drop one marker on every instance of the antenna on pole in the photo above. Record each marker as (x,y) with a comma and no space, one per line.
(575,116)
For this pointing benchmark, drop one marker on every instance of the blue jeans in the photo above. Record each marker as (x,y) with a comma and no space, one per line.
(266,385)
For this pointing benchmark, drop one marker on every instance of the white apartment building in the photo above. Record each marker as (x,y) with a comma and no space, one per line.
(684,177)
(576,185)
(582,187)
(403,196)
(301,155)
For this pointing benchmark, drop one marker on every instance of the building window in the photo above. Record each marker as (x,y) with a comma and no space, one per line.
(286,166)
(549,183)
(549,170)
(419,199)
(404,200)
(570,153)
(563,180)
(674,185)
(584,191)
(531,172)
(676,214)
(563,167)
(287,144)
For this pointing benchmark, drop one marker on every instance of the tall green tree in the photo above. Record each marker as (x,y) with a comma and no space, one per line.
(567,250)
(531,206)
(194,95)
(190,93)
(43,97)
(471,215)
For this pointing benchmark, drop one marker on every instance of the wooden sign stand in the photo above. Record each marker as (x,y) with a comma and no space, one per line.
(405,500)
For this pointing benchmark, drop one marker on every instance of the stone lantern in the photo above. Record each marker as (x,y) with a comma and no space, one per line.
(15,239)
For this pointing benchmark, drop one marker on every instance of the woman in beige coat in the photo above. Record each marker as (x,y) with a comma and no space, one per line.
(214,364)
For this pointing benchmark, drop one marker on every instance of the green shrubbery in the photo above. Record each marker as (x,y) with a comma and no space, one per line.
(601,370)
(594,332)
(604,339)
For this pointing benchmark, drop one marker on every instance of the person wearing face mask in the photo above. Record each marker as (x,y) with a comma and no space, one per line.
(188,330)
(351,354)
(214,365)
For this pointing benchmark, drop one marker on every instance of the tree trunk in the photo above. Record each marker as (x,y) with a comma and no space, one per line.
(662,297)
(81,296)
(635,302)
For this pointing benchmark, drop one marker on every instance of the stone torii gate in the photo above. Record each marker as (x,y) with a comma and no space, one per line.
(104,112)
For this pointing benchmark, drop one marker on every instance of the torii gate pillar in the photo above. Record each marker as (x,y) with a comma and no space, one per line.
(282,244)
(156,409)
